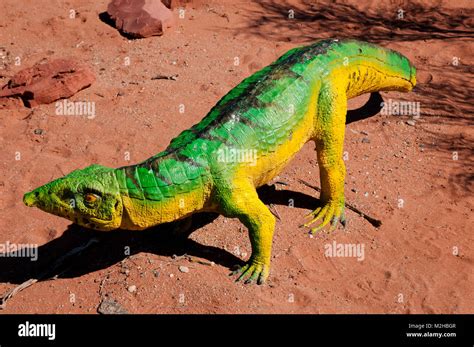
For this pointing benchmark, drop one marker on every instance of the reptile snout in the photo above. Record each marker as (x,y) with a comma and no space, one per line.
(30,198)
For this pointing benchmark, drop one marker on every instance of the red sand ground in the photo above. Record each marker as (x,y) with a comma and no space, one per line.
(410,263)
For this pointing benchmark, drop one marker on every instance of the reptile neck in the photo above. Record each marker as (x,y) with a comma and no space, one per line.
(161,189)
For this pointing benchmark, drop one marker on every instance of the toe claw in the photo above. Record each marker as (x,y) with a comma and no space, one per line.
(343,221)
(241,272)
(313,213)
(240,278)
(235,270)
(331,213)
(252,272)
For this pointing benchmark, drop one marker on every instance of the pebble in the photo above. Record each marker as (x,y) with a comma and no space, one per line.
(411,122)
(184,269)
(132,288)
(365,140)
(110,306)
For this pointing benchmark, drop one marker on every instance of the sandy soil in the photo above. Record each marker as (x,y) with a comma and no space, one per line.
(419,261)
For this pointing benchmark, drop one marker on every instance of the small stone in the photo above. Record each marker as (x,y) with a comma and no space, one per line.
(132,288)
(110,306)
(184,269)
(365,140)
(171,275)
(156,273)
(411,122)
(38,131)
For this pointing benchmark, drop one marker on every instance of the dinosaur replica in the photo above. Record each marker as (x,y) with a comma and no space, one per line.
(243,142)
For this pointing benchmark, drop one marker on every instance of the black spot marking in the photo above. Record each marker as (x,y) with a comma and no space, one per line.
(130,173)
(181,157)
(153,164)
(163,178)
(212,137)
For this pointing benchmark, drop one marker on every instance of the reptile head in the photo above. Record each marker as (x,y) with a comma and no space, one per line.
(380,69)
(401,73)
(89,197)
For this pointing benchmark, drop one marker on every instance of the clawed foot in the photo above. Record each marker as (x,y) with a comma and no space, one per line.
(252,272)
(331,212)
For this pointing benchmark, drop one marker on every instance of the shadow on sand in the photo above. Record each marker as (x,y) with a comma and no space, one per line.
(166,240)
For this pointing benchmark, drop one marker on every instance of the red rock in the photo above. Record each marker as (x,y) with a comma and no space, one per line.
(44,83)
(178,3)
(140,18)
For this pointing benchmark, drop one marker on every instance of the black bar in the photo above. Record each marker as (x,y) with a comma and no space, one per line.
(318,330)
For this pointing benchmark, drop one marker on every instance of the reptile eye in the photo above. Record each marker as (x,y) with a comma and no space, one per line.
(90,198)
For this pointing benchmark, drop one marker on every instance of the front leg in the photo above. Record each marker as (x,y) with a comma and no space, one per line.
(239,199)
(329,139)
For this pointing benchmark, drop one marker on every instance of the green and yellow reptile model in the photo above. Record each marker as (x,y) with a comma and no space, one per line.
(243,143)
